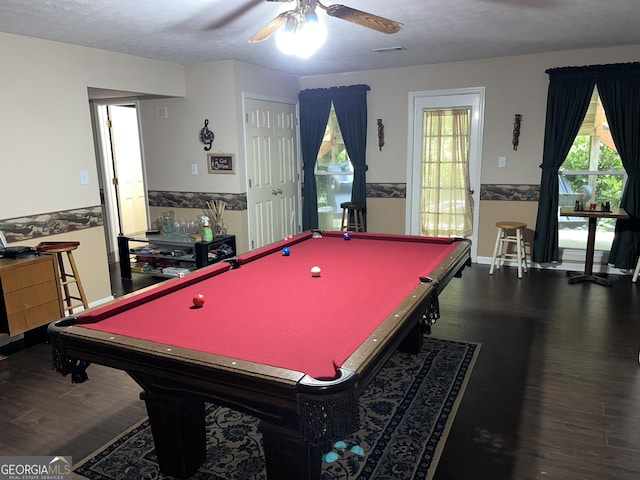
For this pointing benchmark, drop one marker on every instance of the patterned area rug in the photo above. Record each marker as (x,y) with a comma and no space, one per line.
(405,414)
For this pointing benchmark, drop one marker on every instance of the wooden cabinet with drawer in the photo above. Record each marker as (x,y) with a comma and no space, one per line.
(29,294)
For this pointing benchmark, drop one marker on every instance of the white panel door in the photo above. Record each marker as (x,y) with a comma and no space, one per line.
(127,159)
(272,169)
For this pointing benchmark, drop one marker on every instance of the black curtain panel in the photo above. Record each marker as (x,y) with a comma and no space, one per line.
(567,103)
(570,89)
(315,106)
(619,90)
(350,104)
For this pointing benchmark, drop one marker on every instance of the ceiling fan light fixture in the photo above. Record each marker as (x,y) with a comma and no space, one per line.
(302,37)
(285,37)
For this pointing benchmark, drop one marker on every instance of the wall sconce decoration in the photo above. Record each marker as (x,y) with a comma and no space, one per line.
(206,135)
(380,134)
(516,131)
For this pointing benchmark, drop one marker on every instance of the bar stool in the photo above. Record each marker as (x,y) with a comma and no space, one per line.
(509,233)
(66,278)
(636,272)
(352,217)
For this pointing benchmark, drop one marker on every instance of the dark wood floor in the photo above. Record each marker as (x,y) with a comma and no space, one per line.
(555,393)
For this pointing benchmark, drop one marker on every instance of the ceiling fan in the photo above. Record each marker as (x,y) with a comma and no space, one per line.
(305,12)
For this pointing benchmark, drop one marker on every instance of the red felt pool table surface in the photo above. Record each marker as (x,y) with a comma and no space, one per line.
(271,310)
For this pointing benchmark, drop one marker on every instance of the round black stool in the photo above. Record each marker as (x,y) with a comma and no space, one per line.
(352,217)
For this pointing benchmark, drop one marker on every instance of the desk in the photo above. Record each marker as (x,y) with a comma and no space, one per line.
(593,216)
(293,350)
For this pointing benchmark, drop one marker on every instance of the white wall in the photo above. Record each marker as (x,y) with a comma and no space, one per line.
(45,119)
(513,85)
(46,137)
(214,92)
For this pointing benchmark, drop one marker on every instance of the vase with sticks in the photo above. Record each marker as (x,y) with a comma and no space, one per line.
(215,211)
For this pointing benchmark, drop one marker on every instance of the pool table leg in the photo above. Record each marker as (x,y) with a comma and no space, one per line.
(179,435)
(288,455)
(412,343)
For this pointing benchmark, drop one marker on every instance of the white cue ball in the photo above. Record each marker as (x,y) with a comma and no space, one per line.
(315,271)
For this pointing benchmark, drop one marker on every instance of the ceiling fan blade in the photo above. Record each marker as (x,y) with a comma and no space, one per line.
(272,27)
(233,15)
(365,19)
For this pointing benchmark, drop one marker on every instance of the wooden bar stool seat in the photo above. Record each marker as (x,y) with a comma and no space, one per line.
(509,235)
(352,217)
(68,301)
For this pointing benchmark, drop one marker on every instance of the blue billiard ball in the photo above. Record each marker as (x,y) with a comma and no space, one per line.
(347,236)
(286,251)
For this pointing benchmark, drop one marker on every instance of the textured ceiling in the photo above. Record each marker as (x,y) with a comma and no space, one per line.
(435,31)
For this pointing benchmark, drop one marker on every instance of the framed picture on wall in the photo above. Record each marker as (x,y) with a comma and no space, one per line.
(221,163)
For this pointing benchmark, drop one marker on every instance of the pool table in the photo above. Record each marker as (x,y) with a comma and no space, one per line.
(271,340)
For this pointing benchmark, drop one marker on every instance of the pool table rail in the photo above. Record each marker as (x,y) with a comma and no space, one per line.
(177,382)
(256,389)
(404,329)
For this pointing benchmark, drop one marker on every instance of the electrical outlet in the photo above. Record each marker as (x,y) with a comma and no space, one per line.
(502,162)
(194,169)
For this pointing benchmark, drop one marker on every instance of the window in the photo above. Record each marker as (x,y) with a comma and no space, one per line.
(591,173)
(334,176)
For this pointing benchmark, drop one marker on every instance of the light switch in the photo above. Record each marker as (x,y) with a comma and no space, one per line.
(84,177)
(502,162)
(194,169)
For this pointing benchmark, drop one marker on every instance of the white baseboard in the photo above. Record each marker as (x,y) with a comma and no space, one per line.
(106,300)
(101,301)
(572,261)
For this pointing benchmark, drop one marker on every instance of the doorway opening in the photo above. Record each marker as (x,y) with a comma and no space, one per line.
(424,107)
(120,170)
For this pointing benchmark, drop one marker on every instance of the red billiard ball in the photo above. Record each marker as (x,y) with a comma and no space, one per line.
(198,300)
